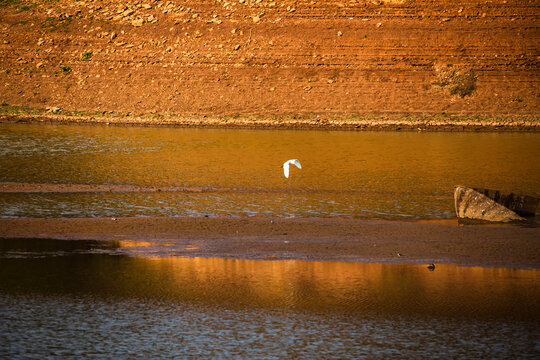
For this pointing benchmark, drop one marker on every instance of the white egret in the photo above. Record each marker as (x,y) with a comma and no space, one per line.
(286,166)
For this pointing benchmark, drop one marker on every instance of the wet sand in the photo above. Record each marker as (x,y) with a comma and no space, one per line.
(322,239)
(11,187)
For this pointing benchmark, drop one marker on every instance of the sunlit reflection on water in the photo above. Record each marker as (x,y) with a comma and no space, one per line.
(127,299)
(68,298)
(344,174)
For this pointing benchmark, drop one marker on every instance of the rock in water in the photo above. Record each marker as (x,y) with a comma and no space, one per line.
(471,204)
(522,205)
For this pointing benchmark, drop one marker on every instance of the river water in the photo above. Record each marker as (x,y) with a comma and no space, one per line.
(390,175)
(113,299)
(71,299)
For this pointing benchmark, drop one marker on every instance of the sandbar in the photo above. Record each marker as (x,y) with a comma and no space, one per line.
(315,239)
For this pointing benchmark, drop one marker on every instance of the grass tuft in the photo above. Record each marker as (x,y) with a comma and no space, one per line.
(65,69)
(86,55)
(26,8)
(52,24)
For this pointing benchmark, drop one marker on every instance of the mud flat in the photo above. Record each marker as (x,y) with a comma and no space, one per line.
(11,187)
(303,238)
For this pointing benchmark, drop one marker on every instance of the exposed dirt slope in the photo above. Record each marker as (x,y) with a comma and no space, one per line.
(272,57)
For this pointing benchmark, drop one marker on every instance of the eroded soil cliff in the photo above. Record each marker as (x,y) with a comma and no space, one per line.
(273,58)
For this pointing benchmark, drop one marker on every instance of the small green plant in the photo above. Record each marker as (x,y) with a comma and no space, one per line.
(11,109)
(65,69)
(56,24)
(5,3)
(86,55)
(67,86)
(28,70)
(26,8)
(4,103)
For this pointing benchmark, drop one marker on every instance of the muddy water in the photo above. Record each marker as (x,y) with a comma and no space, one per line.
(238,172)
(124,299)
(66,298)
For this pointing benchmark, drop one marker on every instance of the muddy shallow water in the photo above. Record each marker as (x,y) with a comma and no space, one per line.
(108,298)
(139,286)
(389,175)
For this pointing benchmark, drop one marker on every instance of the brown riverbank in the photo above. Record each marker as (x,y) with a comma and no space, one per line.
(305,238)
(318,122)
(223,63)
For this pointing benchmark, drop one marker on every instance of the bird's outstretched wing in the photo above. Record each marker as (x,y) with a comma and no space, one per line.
(286,169)
(286,166)
(296,162)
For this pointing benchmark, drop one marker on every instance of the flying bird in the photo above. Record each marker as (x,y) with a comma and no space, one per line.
(286,166)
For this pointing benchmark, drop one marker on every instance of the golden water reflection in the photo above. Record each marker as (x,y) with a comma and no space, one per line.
(294,309)
(247,159)
(354,287)
(352,174)
(127,268)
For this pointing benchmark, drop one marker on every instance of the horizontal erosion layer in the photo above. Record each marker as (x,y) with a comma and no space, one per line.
(268,57)
(324,122)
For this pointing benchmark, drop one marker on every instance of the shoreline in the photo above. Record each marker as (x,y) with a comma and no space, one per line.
(311,239)
(521,123)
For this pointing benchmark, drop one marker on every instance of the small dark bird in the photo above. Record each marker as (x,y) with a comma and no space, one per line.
(399,254)
(431,267)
